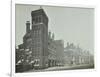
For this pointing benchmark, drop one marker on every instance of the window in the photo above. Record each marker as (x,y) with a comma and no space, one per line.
(33,21)
(39,18)
(36,20)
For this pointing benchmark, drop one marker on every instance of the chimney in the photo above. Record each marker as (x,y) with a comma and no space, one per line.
(53,36)
(49,34)
(27,26)
(67,44)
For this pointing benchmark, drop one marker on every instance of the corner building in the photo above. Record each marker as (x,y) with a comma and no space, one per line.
(36,39)
(40,49)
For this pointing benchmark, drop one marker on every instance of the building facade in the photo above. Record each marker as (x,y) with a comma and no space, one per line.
(74,55)
(59,52)
(39,47)
(51,50)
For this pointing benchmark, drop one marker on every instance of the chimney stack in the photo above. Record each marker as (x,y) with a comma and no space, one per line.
(27,26)
(53,36)
(49,34)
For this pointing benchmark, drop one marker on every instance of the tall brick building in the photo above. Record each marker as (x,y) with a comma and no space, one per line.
(38,45)
(36,39)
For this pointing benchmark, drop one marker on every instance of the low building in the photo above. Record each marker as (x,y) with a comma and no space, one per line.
(74,55)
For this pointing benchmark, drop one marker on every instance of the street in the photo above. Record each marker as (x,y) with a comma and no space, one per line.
(57,68)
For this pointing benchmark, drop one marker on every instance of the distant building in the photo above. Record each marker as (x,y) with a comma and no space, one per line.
(74,55)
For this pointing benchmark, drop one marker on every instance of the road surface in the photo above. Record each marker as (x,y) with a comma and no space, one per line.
(57,68)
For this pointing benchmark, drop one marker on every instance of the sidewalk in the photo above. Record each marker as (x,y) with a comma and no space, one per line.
(70,67)
(57,68)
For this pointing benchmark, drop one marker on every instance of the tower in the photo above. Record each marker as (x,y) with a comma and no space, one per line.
(40,37)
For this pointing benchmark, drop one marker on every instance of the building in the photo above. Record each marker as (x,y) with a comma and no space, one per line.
(59,52)
(39,48)
(56,51)
(74,55)
(36,39)
(51,50)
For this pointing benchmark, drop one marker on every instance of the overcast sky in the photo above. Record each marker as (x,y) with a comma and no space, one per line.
(74,25)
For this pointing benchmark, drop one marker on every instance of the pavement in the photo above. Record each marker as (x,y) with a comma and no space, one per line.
(57,68)
(70,67)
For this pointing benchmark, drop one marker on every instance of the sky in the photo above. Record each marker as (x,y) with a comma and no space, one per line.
(71,24)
